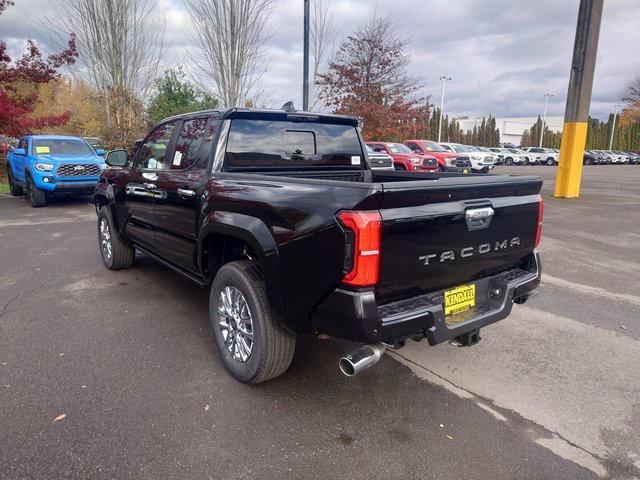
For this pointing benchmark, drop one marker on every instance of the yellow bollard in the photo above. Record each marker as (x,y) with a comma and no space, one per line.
(569,174)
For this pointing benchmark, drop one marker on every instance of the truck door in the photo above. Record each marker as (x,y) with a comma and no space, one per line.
(141,187)
(178,191)
(19,161)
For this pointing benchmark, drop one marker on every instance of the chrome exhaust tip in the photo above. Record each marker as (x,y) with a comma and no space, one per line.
(361,359)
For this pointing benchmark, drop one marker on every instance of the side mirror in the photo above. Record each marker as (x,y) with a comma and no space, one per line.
(20,151)
(116,158)
(101,152)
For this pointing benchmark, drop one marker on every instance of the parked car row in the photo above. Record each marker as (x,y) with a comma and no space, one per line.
(550,156)
(429,156)
(527,155)
(610,157)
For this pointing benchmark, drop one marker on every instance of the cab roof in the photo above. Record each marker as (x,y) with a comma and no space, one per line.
(265,113)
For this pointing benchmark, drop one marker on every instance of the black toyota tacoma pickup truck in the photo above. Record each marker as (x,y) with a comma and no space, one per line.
(279,214)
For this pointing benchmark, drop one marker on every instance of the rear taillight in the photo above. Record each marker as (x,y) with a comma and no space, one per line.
(539,226)
(362,247)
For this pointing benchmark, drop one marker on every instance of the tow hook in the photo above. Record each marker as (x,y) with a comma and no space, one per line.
(467,339)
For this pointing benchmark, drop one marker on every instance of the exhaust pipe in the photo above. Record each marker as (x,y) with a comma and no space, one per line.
(361,359)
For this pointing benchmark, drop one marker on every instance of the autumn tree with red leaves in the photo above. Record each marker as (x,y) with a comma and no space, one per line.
(19,82)
(368,79)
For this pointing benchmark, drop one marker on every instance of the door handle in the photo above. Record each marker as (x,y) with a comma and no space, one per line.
(139,192)
(183,192)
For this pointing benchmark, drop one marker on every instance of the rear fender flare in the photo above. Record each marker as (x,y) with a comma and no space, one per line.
(255,233)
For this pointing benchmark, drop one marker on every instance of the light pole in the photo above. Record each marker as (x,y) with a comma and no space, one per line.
(443,79)
(305,59)
(613,127)
(547,96)
(576,115)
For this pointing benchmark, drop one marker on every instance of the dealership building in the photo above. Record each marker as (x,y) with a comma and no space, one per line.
(512,128)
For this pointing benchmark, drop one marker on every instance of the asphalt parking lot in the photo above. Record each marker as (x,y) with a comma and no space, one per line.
(553,392)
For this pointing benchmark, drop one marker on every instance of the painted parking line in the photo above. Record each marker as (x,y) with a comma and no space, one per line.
(601,292)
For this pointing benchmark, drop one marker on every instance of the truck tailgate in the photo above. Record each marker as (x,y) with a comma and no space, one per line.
(451,231)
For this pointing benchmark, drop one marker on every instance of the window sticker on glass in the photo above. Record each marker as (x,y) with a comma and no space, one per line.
(177,158)
(43,149)
(355,160)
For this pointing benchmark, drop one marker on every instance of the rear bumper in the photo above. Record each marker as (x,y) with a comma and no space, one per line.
(356,316)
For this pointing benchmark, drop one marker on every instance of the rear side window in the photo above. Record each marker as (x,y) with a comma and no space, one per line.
(194,144)
(266,143)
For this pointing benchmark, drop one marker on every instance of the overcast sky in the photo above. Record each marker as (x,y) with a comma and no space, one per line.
(503,55)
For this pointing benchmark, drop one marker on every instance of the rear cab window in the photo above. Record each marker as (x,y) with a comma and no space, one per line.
(283,143)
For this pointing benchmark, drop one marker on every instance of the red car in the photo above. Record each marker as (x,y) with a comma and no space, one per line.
(449,162)
(405,159)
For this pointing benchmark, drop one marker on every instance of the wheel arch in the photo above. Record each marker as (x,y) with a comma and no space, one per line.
(230,236)
(105,197)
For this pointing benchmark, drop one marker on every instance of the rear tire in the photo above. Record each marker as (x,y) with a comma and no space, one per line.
(14,188)
(37,198)
(116,253)
(252,345)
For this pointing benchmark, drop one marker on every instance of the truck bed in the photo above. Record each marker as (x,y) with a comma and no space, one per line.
(427,244)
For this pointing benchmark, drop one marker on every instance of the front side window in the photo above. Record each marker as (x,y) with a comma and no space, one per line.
(432,147)
(45,146)
(462,148)
(194,144)
(267,143)
(23,144)
(153,152)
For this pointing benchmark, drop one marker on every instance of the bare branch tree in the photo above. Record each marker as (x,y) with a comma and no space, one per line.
(321,42)
(632,92)
(121,45)
(231,35)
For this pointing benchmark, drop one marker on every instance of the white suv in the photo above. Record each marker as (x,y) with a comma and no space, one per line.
(542,156)
(480,161)
(512,156)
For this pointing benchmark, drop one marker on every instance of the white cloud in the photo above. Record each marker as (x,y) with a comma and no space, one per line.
(503,55)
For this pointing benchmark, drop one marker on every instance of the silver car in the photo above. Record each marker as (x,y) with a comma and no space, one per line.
(379,160)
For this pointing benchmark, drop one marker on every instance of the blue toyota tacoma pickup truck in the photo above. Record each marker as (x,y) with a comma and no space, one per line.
(43,165)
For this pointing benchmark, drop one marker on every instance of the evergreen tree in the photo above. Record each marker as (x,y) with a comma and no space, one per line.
(174,95)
